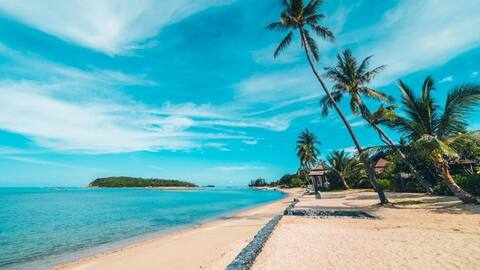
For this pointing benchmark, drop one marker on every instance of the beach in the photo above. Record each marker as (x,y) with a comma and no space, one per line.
(212,245)
(416,232)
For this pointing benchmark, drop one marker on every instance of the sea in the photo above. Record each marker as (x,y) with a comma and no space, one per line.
(42,227)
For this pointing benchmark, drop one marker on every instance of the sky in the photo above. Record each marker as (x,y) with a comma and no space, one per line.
(190,90)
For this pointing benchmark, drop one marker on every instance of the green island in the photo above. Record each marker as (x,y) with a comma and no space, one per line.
(124,181)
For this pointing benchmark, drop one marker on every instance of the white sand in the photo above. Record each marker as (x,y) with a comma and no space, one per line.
(212,245)
(440,234)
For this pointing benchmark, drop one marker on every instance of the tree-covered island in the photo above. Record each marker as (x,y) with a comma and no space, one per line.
(123,181)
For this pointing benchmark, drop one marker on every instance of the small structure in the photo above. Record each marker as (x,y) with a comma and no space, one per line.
(318,175)
(380,165)
(463,166)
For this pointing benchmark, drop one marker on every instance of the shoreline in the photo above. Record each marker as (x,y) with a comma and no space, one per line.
(212,244)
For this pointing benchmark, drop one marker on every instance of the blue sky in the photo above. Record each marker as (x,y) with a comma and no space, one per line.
(190,90)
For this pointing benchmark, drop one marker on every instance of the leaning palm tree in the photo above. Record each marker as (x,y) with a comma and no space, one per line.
(341,164)
(299,18)
(351,79)
(429,126)
(307,152)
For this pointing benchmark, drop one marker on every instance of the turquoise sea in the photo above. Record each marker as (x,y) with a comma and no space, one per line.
(40,227)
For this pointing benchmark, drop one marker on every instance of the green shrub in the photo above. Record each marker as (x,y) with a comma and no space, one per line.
(295,182)
(469,183)
(385,184)
(414,186)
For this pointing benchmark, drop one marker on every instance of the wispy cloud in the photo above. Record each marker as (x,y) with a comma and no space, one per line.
(415,35)
(474,74)
(250,142)
(446,79)
(65,109)
(109,26)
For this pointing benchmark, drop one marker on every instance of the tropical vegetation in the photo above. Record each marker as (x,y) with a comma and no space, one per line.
(431,128)
(301,18)
(307,153)
(123,181)
(352,79)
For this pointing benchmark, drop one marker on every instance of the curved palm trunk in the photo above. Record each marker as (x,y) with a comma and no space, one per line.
(386,139)
(344,181)
(365,160)
(447,178)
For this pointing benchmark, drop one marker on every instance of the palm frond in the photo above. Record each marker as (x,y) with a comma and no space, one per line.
(461,101)
(277,26)
(364,65)
(311,7)
(284,44)
(375,94)
(428,144)
(369,75)
(313,19)
(323,32)
(326,103)
(296,7)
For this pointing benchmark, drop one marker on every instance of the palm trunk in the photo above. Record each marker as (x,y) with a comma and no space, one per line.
(447,178)
(386,139)
(344,182)
(365,160)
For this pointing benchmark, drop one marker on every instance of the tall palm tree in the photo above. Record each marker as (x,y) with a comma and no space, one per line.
(341,164)
(301,18)
(307,152)
(351,79)
(429,126)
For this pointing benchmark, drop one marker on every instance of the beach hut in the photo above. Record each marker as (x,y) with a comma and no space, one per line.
(463,166)
(318,175)
(380,165)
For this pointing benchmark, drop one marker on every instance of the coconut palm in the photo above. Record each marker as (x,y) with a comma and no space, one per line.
(297,17)
(341,164)
(352,79)
(429,125)
(307,152)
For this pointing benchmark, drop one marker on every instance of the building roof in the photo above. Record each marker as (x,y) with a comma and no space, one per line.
(319,170)
(381,163)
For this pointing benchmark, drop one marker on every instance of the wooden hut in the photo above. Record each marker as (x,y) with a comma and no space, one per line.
(319,177)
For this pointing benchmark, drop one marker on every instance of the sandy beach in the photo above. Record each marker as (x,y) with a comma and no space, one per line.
(212,245)
(416,232)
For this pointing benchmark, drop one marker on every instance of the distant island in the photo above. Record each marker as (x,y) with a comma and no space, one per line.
(123,181)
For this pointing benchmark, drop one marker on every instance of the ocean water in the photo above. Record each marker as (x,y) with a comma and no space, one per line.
(40,227)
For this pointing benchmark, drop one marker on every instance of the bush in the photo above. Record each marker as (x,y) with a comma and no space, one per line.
(469,183)
(260,182)
(385,184)
(295,182)
(414,186)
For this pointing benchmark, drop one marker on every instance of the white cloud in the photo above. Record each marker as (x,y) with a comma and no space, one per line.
(278,87)
(415,35)
(446,79)
(474,74)
(250,142)
(66,109)
(109,26)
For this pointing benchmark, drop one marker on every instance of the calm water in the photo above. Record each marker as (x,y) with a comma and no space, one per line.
(46,226)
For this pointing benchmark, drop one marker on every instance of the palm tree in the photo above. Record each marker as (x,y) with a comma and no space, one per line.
(341,164)
(429,126)
(297,17)
(307,152)
(351,79)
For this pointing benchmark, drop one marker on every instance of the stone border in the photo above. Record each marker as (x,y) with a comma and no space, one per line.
(247,256)
(329,213)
